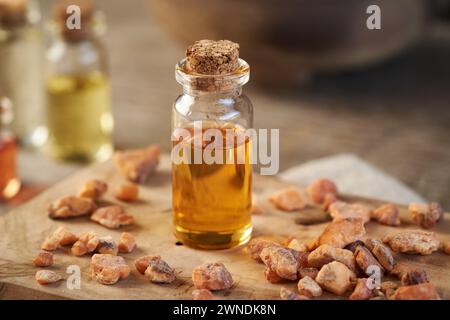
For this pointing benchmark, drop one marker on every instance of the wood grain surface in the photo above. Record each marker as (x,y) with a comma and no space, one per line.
(23,230)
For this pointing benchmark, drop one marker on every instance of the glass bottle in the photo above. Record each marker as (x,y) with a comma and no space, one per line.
(9,182)
(212,200)
(21,57)
(78,90)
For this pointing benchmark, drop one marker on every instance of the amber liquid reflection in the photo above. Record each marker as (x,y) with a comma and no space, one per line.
(212,202)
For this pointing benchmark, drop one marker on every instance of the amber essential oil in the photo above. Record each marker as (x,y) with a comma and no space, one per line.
(212,202)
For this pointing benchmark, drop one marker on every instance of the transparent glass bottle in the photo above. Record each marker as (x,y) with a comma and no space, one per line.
(78,94)
(21,76)
(9,182)
(212,201)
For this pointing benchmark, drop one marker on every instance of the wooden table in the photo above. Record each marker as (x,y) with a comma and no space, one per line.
(24,229)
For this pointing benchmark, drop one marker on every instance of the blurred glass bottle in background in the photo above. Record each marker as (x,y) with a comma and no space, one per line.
(21,57)
(9,183)
(78,88)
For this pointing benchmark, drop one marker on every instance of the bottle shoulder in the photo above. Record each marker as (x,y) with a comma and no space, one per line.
(188,101)
(84,56)
(60,49)
(222,108)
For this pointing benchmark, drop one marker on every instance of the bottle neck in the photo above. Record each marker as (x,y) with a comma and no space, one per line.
(234,91)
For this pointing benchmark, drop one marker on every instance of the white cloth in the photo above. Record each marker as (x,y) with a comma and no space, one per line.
(353,176)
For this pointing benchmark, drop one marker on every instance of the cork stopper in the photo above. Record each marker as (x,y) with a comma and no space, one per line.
(13,13)
(212,57)
(87,11)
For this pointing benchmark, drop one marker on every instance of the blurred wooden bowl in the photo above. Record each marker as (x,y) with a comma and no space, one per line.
(285,39)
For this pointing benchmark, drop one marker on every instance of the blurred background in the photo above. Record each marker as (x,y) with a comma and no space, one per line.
(318,74)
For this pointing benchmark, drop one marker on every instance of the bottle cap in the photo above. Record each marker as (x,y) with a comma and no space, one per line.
(13,13)
(212,57)
(61,17)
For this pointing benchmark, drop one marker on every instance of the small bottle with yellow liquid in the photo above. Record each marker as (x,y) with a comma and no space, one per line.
(21,55)
(78,88)
(211,155)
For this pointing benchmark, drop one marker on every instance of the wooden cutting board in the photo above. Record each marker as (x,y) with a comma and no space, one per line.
(23,230)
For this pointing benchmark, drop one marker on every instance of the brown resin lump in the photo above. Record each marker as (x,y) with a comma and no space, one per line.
(387,214)
(289,199)
(322,190)
(413,242)
(159,271)
(67,238)
(328,200)
(400,269)
(381,252)
(71,206)
(271,276)
(47,277)
(295,244)
(212,57)
(366,261)
(423,291)
(87,243)
(212,276)
(107,245)
(308,287)
(341,233)
(93,189)
(255,247)
(388,288)
(112,217)
(426,216)
(335,277)
(127,192)
(354,245)
(127,242)
(142,263)
(108,269)
(155,269)
(308,272)
(445,247)
(139,164)
(340,210)
(326,254)
(362,290)
(43,259)
(414,276)
(281,261)
(61,237)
